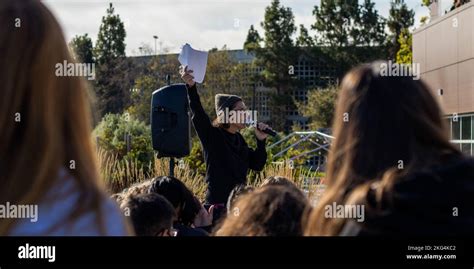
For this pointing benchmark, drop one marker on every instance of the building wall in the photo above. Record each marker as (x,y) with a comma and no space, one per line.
(444,49)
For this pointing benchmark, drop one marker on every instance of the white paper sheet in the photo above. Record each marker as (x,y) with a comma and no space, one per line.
(195,60)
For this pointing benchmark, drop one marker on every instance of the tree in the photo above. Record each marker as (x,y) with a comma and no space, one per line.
(252,43)
(372,26)
(141,97)
(319,108)
(400,17)
(110,40)
(335,21)
(304,40)
(277,58)
(279,52)
(405,54)
(153,77)
(349,33)
(163,66)
(426,3)
(223,75)
(144,49)
(82,47)
(425,19)
(113,85)
(114,78)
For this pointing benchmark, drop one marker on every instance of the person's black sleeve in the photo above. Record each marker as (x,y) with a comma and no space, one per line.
(258,157)
(201,120)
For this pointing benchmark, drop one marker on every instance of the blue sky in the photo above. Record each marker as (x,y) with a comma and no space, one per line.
(202,23)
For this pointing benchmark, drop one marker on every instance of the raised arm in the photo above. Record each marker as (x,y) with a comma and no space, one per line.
(201,120)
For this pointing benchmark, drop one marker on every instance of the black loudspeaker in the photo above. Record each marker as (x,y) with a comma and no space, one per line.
(170,121)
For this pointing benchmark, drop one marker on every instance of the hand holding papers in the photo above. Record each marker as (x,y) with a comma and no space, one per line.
(195,60)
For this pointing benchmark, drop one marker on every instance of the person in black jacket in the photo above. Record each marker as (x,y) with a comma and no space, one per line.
(392,170)
(228,157)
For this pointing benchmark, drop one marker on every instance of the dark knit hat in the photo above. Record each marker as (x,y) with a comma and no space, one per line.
(225,100)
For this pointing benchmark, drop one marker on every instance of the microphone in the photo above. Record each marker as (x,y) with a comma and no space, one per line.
(267,131)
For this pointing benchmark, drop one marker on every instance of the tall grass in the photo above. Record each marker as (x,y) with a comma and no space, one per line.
(120,174)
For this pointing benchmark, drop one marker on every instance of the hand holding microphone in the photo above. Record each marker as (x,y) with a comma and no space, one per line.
(262,130)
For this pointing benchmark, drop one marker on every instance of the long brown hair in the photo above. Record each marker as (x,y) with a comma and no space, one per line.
(268,211)
(45,120)
(384,127)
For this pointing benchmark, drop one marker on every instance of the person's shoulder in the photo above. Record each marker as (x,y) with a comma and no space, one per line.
(456,167)
(115,223)
(54,209)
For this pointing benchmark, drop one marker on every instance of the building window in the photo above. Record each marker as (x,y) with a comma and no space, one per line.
(466,148)
(462,132)
(466,128)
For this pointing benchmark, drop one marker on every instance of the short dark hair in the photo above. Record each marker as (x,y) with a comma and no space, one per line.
(150,213)
(179,196)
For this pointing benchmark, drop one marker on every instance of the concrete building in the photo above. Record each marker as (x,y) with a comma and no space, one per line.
(444,49)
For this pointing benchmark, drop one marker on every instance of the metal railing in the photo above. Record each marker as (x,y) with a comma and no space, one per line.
(304,136)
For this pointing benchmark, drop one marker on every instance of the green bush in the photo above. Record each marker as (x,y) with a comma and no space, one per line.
(195,159)
(111,134)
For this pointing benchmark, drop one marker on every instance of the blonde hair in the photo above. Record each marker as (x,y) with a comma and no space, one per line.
(45,119)
(136,189)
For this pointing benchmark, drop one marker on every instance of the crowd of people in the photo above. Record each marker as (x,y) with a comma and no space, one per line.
(391,154)
(276,208)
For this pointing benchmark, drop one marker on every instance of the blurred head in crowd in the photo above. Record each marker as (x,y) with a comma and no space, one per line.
(277,180)
(268,211)
(185,203)
(135,189)
(45,120)
(381,122)
(281,181)
(151,214)
(235,194)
